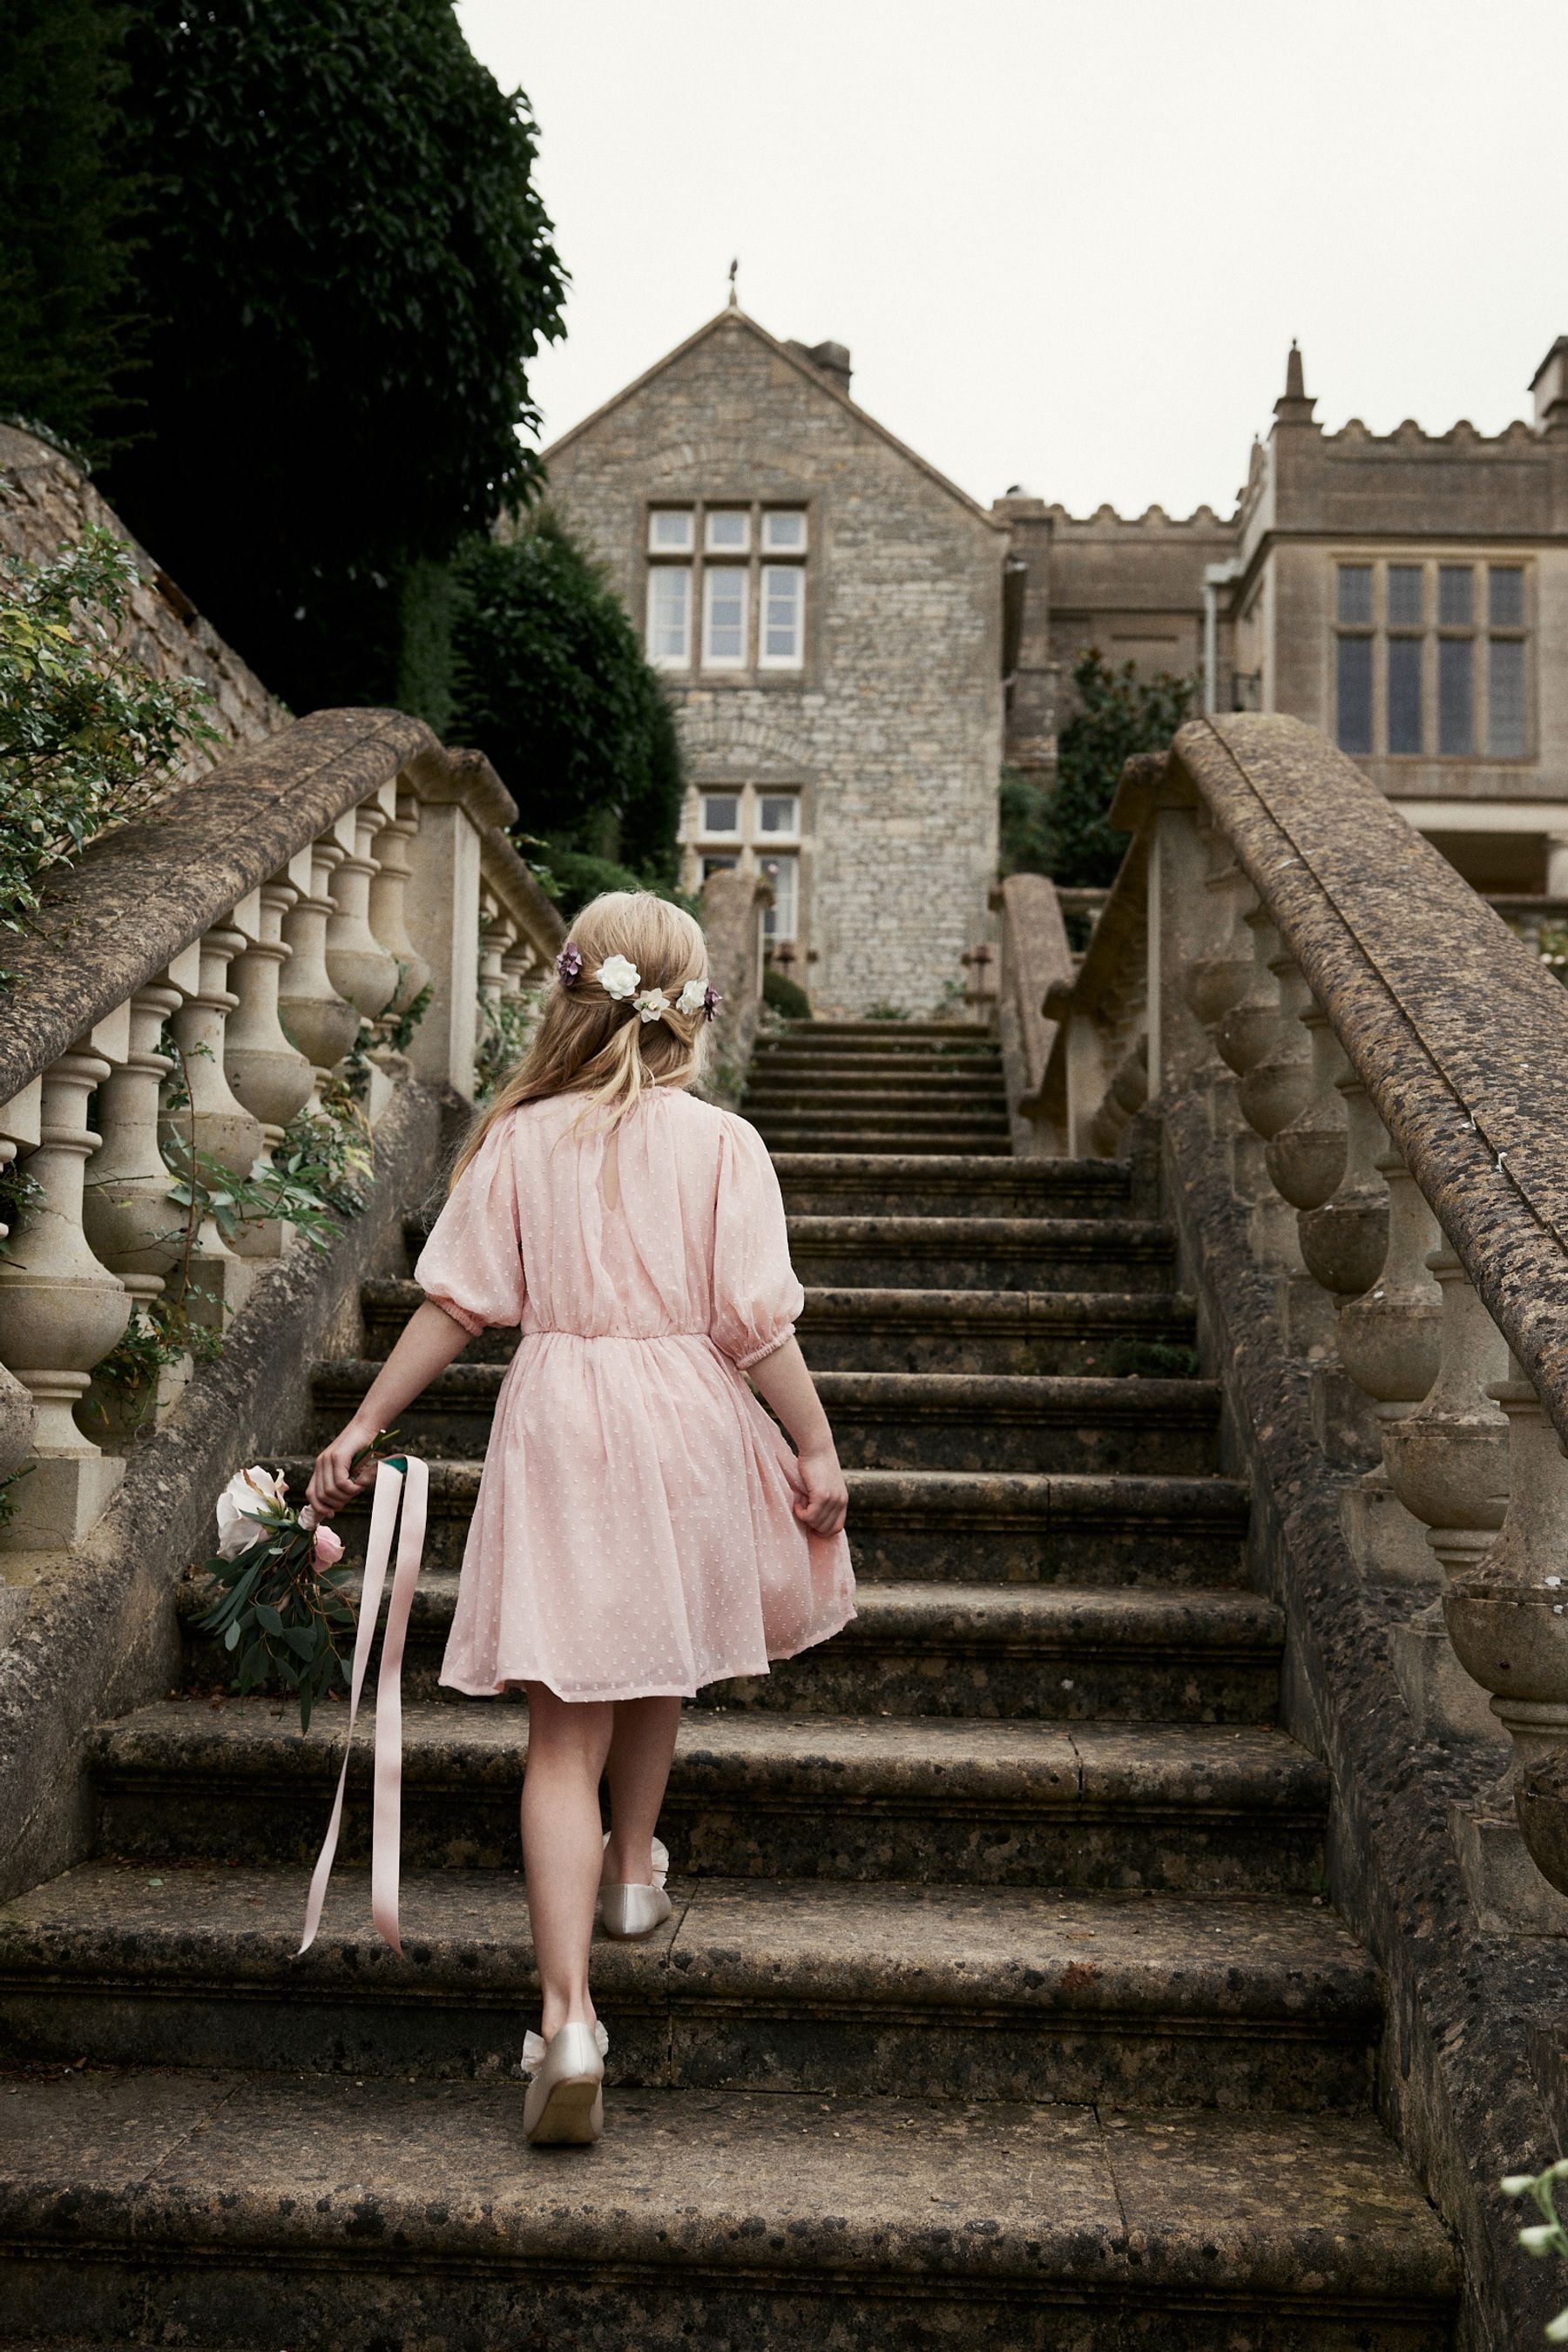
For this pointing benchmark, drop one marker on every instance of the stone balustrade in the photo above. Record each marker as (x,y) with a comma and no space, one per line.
(191,986)
(1378,1058)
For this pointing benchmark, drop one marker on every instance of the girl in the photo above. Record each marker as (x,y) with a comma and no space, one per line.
(641,1526)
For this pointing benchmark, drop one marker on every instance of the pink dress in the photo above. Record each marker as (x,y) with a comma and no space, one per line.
(634,1533)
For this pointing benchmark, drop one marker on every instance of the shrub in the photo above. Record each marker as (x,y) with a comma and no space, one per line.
(1063,831)
(786,995)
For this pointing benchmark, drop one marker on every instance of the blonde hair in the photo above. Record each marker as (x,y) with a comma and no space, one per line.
(600,1046)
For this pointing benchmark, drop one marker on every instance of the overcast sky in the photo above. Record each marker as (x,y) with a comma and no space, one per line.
(1068,245)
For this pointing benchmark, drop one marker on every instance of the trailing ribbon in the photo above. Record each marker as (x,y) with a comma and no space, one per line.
(404,1479)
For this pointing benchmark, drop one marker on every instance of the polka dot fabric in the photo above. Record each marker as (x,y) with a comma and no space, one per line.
(634,1533)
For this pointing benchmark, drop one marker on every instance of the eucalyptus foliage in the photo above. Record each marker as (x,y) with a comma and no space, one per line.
(549,678)
(88,737)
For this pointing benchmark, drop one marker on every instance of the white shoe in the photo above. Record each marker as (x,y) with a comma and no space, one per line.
(627,1913)
(565,2101)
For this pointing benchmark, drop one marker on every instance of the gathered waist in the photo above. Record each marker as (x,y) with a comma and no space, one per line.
(530,1330)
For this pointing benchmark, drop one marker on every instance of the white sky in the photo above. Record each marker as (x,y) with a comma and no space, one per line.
(1066,241)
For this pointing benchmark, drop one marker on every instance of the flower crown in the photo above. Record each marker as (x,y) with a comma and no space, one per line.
(620,980)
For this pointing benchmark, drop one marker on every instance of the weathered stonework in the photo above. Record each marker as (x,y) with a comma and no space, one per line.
(889,731)
(44,501)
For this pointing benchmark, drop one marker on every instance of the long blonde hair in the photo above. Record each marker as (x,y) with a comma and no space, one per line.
(598,1046)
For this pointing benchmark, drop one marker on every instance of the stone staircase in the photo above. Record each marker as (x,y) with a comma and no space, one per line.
(1001,2006)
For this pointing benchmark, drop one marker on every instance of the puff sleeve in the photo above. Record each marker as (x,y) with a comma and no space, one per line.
(756,1296)
(472,1264)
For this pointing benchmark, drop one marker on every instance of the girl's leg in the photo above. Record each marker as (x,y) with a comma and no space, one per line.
(641,1751)
(567,1745)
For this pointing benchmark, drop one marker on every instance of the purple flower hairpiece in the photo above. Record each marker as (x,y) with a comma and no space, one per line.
(569,963)
(711,1001)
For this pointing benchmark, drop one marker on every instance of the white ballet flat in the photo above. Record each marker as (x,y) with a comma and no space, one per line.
(565,2101)
(627,1913)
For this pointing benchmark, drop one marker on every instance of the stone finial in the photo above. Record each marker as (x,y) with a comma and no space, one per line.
(1295,408)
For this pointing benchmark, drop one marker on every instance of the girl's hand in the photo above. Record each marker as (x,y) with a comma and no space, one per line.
(334,1482)
(824,1505)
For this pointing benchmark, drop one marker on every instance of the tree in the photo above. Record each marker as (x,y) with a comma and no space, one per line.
(68,335)
(347,269)
(1063,832)
(549,680)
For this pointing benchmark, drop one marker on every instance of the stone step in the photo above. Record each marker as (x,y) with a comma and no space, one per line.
(832,1142)
(1025,1653)
(179,2205)
(858,1117)
(1123,1254)
(872,1080)
(941,1070)
(853,1184)
(997,1993)
(946,1526)
(754,1794)
(1011,1421)
(891,1329)
(829,1036)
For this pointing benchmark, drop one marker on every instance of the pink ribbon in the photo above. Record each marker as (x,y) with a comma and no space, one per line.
(387,1812)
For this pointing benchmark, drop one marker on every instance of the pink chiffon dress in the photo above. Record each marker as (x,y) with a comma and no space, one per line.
(633,1535)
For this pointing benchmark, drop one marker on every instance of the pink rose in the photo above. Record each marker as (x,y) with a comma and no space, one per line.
(329,1548)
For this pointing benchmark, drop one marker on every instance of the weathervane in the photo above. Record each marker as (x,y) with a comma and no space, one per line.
(734,298)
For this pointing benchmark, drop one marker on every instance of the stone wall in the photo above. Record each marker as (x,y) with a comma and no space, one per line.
(46,502)
(891,731)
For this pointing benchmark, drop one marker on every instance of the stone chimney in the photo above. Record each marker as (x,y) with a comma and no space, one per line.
(830,359)
(1550,386)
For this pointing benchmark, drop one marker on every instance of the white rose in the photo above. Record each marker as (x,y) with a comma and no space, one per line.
(251,1490)
(691,996)
(618,977)
(653,1004)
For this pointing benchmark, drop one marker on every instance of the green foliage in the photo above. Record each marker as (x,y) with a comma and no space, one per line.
(786,995)
(505,1033)
(548,678)
(87,736)
(573,877)
(68,330)
(21,1195)
(347,269)
(160,1334)
(1546,2236)
(1064,833)
(886,1009)
(8,1486)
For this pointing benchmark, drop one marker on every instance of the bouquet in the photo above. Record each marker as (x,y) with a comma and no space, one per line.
(282,1606)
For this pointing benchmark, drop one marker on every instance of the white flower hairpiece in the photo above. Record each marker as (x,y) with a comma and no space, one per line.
(618,977)
(653,1003)
(690,1001)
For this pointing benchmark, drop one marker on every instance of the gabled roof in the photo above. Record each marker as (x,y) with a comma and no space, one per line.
(731,319)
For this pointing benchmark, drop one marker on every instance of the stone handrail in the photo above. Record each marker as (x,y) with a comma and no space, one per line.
(1381,1065)
(1035,961)
(270,913)
(733,903)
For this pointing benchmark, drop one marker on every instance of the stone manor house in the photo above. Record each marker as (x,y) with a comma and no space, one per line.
(826,610)
(1406,594)
(853,645)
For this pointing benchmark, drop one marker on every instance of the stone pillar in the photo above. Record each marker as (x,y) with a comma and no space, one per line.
(19,1415)
(1178,911)
(212,1282)
(458,800)
(60,1310)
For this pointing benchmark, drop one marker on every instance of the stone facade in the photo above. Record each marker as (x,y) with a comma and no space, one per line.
(826,609)
(1406,594)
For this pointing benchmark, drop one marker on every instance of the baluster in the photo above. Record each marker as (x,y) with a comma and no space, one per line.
(1448,1463)
(360,966)
(388,901)
(1218,980)
(495,937)
(314,1017)
(1508,1625)
(1388,1333)
(60,1310)
(1306,1156)
(210,1279)
(270,1077)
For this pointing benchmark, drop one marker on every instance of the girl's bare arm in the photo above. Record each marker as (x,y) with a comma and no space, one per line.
(782,1382)
(427,1345)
